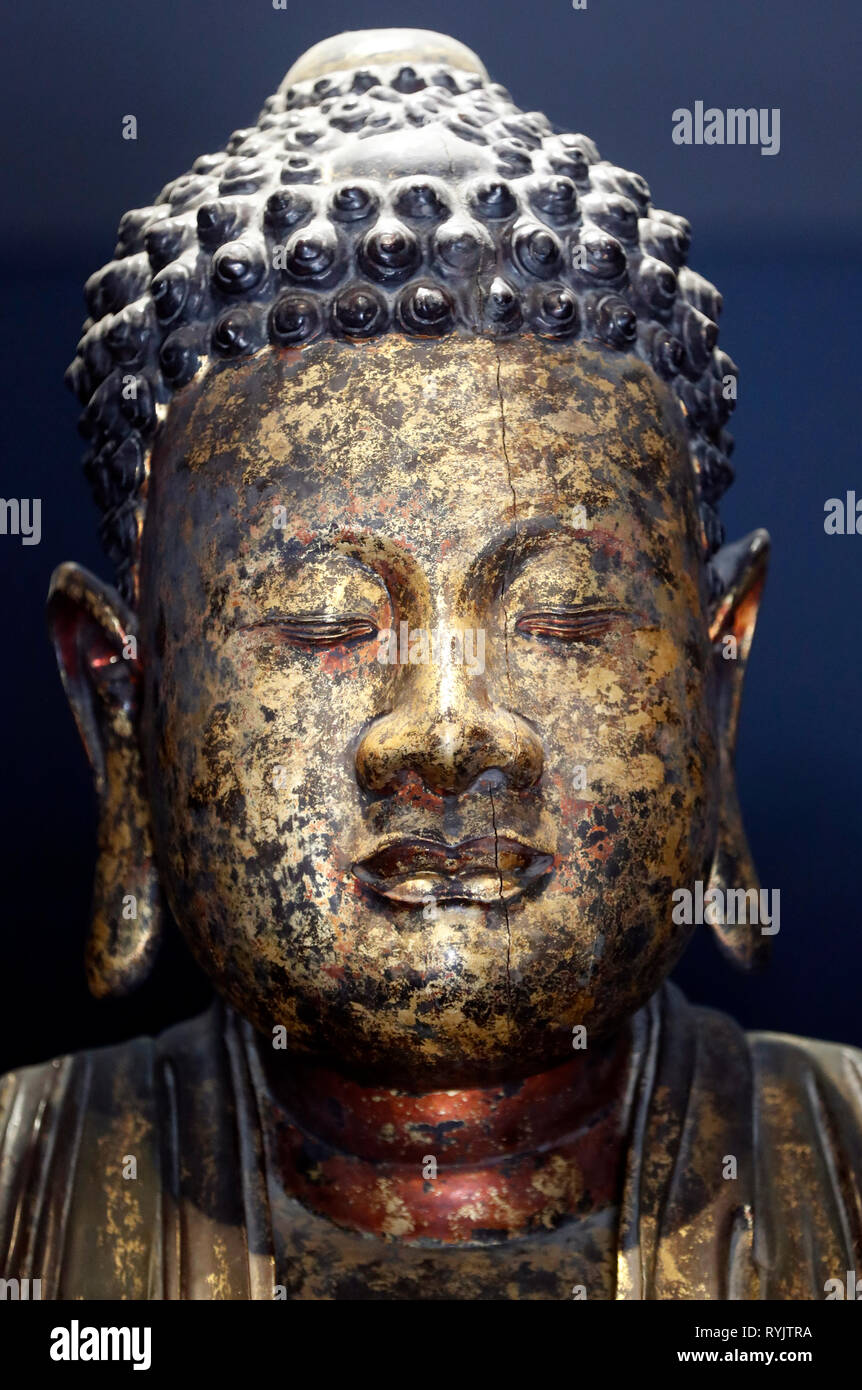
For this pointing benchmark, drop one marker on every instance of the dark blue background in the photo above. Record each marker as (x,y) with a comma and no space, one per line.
(780,238)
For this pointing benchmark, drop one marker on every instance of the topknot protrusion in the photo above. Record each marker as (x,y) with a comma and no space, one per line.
(364,48)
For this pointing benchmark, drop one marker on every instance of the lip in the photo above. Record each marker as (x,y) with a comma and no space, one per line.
(488,869)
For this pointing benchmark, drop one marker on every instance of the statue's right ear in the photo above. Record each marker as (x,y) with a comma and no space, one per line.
(97,651)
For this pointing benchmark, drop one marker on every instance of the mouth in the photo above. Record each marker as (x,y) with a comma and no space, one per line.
(490,869)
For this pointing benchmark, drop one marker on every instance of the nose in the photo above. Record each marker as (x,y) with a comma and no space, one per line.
(445,729)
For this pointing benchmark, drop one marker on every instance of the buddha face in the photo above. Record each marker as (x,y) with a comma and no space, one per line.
(428,711)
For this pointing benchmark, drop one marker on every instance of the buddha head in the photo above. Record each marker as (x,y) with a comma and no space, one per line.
(412,698)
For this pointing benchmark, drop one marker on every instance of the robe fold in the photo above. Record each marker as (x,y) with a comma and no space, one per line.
(139,1171)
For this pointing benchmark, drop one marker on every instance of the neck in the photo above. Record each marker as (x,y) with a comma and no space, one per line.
(484,1163)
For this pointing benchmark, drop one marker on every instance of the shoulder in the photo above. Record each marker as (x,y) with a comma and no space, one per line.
(808,1127)
(785,1216)
(786,1051)
(809,1088)
(809,1091)
(101,1150)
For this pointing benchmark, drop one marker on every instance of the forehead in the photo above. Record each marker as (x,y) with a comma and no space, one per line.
(450,441)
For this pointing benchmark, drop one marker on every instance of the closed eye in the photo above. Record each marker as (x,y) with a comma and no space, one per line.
(570,624)
(316,631)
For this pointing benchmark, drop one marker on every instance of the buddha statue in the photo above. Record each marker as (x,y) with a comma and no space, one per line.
(414,707)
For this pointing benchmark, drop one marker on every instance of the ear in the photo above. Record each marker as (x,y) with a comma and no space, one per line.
(741,568)
(94,638)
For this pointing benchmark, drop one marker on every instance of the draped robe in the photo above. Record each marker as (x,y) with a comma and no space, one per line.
(779,1221)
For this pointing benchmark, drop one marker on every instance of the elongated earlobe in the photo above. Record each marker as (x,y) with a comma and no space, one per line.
(94,639)
(742,568)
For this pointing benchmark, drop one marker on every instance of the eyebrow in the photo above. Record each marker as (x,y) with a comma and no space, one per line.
(389,561)
(521,539)
(365,547)
(506,554)
(503,556)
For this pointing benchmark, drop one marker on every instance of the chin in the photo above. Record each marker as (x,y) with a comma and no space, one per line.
(433,1030)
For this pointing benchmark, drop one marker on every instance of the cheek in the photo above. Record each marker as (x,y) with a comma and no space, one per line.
(628,722)
(631,774)
(293,721)
(255,788)
(620,857)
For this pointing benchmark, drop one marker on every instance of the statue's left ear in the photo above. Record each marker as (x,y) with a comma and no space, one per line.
(94,637)
(742,570)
